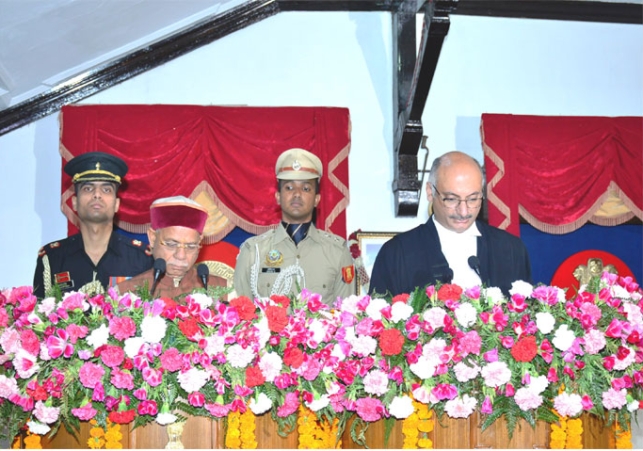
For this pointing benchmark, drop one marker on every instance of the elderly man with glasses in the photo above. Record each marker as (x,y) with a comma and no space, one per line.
(175,239)
(452,246)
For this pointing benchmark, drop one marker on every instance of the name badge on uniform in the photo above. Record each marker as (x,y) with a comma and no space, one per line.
(274,258)
(270,270)
(64,280)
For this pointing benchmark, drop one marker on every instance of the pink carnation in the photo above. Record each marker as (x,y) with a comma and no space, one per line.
(460,407)
(614,399)
(290,405)
(376,382)
(8,386)
(496,374)
(85,413)
(122,379)
(470,343)
(369,409)
(568,405)
(46,414)
(172,360)
(528,398)
(112,356)
(594,341)
(122,328)
(90,374)
(75,332)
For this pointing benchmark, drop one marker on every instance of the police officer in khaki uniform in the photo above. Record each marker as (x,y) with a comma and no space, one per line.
(93,259)
(295,254)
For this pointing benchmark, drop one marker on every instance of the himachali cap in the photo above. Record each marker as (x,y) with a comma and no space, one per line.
(298,164)
(95,167)
(178,211)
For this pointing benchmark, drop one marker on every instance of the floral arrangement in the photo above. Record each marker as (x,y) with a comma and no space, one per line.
(123,359)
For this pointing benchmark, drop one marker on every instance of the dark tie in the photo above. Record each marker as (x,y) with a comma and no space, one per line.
(297,231)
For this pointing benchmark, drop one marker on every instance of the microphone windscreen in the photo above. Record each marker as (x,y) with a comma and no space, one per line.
(159,265)
(474,263)
(202,270)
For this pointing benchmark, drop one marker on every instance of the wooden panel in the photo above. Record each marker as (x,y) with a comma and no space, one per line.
(374,436)
(450,433)
(267,436)
(595,434)
(497,435)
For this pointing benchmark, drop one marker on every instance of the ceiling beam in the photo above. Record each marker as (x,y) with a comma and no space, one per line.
(216,27)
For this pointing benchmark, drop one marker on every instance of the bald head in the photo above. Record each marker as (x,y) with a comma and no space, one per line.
(456,180)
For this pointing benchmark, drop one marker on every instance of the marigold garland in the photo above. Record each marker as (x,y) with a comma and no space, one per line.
(233,432)
(574,434)
(248,426)
(113,436)
(96,436)
(32,441)
(623,438)
(417,426)
(558,437)
(315,434)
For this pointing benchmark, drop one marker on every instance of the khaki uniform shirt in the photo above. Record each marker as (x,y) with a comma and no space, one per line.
(271,263)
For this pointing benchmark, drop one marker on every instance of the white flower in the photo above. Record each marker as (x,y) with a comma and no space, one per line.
(545,322)
(261,405)
(376,382)
(132,346)
(633,313)
(494,295)
(165,418)
(460,408)
(202,299)
(466,314)
(215,344)
(435,317)
(270,365)
(153,329)
(318,330)
(563,338)
(400,311)
(337,352)
(363,345)
(264,331)
(98,337)
(349,304)
(401,407)
(629,359)
(374,308)
(423,368)
(34,319)
(422,394)
(632,406)
(239,357)
(44,352)
(318,403)
(619,292)
(25,364)
(568,404)
(538,384)
(193,379)
(522,288)
(46,306)
(38,428)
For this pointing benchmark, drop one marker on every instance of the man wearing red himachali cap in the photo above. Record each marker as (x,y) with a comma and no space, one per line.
(175,236)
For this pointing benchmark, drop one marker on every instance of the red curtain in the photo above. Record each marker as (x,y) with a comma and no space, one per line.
(557,171)
(229,152)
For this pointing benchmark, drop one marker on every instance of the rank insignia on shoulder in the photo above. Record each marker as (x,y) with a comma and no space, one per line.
(148,251)
(137,243)
(274,258)
(55,244)
(41,252)
(348,273)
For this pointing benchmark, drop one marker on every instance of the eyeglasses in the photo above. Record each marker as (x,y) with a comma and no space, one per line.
(454,202)
(174,246)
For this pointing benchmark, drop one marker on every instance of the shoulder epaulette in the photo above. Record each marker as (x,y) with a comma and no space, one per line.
(41,251)
(335,239)
(54,245)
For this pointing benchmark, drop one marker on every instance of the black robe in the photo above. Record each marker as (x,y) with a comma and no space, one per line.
(414,259)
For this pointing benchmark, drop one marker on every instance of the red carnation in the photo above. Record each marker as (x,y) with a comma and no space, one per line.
(391,341)
(254,377)
(244,307)
(525,349)
(277,318)
(449,292)
(124,417)
(293,357)
(404,297)
(281,299)
(189,328)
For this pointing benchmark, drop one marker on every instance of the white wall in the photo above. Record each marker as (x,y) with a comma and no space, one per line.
(344,59)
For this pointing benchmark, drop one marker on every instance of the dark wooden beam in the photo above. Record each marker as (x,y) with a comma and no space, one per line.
(414,77)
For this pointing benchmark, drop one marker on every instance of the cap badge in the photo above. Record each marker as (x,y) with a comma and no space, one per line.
(274,258)
(296,165)
(98,166)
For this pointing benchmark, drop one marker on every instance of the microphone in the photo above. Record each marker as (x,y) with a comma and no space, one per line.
(474,263)
(442,273)
(203,272)
(159,270)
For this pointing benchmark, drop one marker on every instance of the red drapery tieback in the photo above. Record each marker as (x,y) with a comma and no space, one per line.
(227,152)
(557,171)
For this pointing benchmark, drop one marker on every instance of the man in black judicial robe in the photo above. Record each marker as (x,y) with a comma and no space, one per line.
(416,258)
